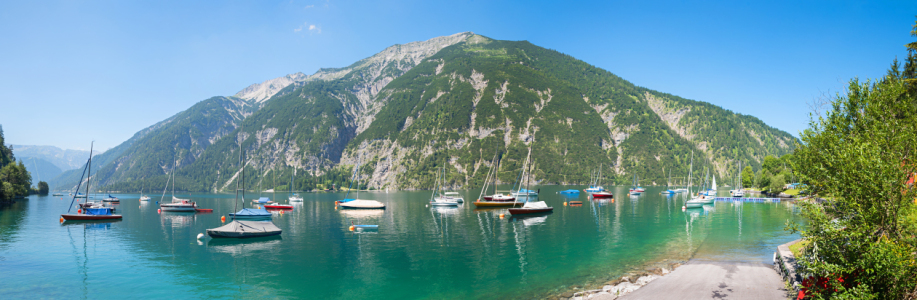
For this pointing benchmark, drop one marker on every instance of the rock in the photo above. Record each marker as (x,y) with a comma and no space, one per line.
(604,296)
(607,288)
(623,288)
(567,295)
(656,271)
(664,271)
(646,279)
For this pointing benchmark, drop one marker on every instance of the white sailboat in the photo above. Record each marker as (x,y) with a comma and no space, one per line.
(178,204)
(295,197)
(441,200)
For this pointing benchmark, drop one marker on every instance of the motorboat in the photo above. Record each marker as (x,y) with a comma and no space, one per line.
(531,207)
(111,199)
(360,204)
(295,198)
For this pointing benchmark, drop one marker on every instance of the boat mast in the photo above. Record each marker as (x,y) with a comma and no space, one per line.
(88,174)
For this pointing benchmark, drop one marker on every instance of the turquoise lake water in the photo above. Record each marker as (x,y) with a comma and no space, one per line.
(417,252)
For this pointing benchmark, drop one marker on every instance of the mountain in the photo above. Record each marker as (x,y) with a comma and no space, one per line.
(40,169)
(64,159)
(453,102)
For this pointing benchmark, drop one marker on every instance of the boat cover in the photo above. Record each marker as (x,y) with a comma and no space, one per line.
(570,192)
(251,212)
(98,211)
(243,229)
(263,200)
(535,204)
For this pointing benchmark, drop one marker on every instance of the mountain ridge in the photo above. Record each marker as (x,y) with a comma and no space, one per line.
(453,101)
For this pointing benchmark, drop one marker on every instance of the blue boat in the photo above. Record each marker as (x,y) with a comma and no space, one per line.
(251,213)
(262,200)
(570,192)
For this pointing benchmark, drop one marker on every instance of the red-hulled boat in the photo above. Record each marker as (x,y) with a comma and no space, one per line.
(85,217)
(278,206)
(604,194)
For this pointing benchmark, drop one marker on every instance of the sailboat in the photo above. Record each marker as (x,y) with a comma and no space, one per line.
(142,196)
(636,190)
(696,200)
(497,199)
(178,204)
(668,184)
(262,200)
(93,212)
(531,207)
(737,182)
(295,197)
(441,200)
(357,203)
(274,191)
(111,199)
(526,176)
(603,193)
(593,186)
(245,229)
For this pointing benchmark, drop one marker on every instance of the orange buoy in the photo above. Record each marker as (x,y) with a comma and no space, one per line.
(223,219)
(501,216)
(79,211)
(159,211)
(62,219)
(281,212)
(565,203)
(351,227)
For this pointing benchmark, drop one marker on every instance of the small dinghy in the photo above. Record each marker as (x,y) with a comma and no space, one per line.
(245,229)
(569,192)
(353,226)
(112,199)
(577,202)
(531,208)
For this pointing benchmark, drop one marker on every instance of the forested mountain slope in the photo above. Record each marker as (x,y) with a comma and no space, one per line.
(452,102)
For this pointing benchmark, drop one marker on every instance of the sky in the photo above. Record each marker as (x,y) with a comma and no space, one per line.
(72,72)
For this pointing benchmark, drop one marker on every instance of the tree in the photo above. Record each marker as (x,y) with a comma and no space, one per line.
(771,164)
(748,177)
(860,154)
(776,184)
(764,179)
(43,188)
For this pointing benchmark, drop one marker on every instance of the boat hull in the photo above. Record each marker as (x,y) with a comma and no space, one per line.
(178,208)
(496,203)
(237,235)
(523,211)
(278,206)
(84,217)
(602,195)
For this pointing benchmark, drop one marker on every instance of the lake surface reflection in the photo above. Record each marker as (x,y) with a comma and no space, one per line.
(417,252)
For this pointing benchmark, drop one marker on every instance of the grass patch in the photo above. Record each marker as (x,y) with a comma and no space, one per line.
(792,192)
(798,248)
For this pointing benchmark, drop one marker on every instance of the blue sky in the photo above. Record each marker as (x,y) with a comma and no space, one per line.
(76,71)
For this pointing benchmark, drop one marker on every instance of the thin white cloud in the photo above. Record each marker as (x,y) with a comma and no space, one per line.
(312,28)
(309,6)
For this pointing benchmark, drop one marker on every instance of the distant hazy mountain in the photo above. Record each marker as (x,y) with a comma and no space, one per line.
(41,170)
(449,102)
(64,159)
